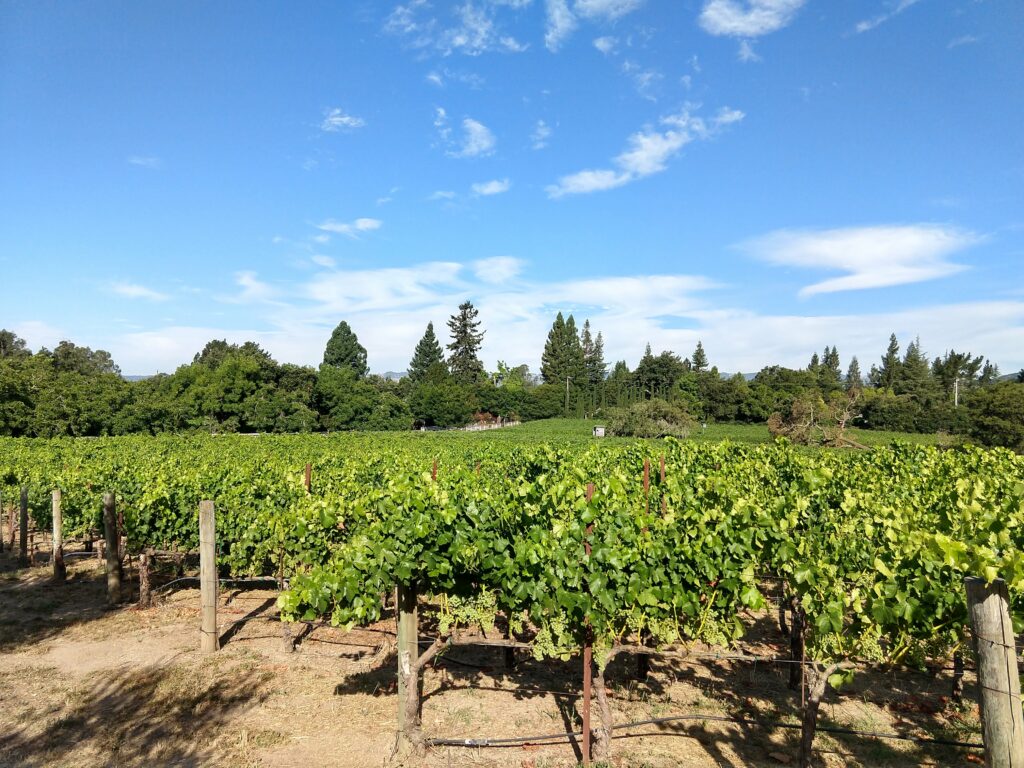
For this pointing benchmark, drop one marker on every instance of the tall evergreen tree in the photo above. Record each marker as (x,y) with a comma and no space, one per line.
(989,373)
(885,376)
(854,380)
(466,338)
(344,350)
(428,352)
(699,360)
(914,373)
(563,354)
(594,360)
(815,363)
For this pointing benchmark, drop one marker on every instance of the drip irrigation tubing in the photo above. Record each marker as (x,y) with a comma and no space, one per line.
(557,737)
(257,580)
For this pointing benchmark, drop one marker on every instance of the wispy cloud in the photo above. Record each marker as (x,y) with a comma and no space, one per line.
(136,291)
(608,10)
(350,228)
(562,20)
(956,42)
(895,9)
(442,194)
(252,290)
(747,18)
(336,120)
(871,257)
(493,187)
(145,161)
(323,261)
(746,53)
(476,139)
(473,30)
(606,44)
(560,24)
(497,269)
(645,81)
(388,308)
(647,152)
(541,134)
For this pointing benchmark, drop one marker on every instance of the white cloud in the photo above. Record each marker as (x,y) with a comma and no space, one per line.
(253,290)
(442,194)
(497,269)
(136,291)
(321,239)
(336,120)
(746,52)
(541,134)
(870,257)
(606,44)
(747,18)
(648,151)
(323,261)
(477,140)
(474,31)
(389,307)
(645,81)
(605,9)
(896,9)
(956,42)
(37,333)
(493,187)
(560,24)
(435,78)
(145,161)
(350,228)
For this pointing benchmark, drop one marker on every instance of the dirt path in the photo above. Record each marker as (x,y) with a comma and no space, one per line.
(84,686)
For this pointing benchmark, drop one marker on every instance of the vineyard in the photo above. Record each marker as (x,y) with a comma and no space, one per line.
(643,548)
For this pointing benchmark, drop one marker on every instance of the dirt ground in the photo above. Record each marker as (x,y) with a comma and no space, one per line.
(85,686)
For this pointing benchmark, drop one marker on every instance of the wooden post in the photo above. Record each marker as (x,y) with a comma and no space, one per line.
(144,592)
(588,655)
(1002,720)
(60,571)
(208,642)
(309,477)
(10,526)
(23,527)
(408,648)
(110,549)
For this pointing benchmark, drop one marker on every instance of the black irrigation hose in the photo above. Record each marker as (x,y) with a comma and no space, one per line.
(257,580)
(557,737)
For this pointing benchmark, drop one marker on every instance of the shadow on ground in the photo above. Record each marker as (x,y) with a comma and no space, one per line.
(168,715)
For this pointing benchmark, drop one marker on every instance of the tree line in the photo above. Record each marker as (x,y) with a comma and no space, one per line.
(74,390)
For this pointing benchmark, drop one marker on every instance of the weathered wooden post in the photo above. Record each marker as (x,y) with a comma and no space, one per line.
(145,597)
(23,527)
(60,571)
(308,479)
(1002,720)
(588,654)
(408,647)
(209,641)
(113,566)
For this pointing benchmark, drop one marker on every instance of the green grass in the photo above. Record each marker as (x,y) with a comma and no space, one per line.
(581,430)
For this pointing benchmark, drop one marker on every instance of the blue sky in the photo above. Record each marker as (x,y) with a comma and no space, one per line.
(769,176)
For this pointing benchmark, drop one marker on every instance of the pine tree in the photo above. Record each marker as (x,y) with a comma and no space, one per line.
(815,363)
(563,356)
(914,373)
(853,377)
(829,372)
(596,366)
(699,360)
(885,377)
(467,339)
(550,360)
(428,353)
(344,350)
(989,374)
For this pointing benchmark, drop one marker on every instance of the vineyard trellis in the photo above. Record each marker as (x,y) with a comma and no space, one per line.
(572,547)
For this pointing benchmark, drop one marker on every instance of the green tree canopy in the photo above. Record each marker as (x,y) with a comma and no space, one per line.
(427,353)
(466,340)
(344,350)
